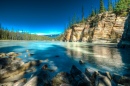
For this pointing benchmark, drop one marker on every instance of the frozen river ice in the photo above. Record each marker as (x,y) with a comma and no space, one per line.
(60,56)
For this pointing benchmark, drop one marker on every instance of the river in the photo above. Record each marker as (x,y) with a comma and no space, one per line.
(60,56)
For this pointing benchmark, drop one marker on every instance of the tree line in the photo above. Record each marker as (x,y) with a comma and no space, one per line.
(120,8)
(6,34)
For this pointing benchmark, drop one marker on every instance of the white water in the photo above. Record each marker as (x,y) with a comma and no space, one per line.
(104,57)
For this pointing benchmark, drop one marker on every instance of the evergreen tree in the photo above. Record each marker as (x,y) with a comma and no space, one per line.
(122,6)
(83,13)
(110,7)
(102,8)
(93,13)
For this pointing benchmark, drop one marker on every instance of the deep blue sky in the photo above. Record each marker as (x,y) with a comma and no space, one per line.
(42,16)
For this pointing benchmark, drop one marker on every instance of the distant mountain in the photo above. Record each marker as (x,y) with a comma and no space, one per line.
(52,35)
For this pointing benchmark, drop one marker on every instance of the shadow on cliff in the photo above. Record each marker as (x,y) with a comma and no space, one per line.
(124,46)
(125,40)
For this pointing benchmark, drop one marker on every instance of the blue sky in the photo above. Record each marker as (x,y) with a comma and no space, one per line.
(43,16)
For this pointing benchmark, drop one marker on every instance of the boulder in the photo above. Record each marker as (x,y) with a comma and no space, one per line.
(13,77)
(81,62)
(42,78)
(102,81)
(65,84)
(62,79)
(7,84)
(91,74)
(20,82)
(36,62)
(109,76)
(10,74)
(2,55)
(5,61)
(80,79)
(121,79)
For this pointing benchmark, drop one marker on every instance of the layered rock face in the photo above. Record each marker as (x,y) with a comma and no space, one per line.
(125,41)
(105,27)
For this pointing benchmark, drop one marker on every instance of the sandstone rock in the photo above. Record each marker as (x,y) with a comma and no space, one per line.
(65,84)
(80,79)
(121,80)
(11,74)
(36,62)
(91,74)
(20,82)
(107,74)
(5,61)
(97,28)
(13,77)
(2,55)
(61,78)
(67,35)
(42,78)
(102,81)
(81,62)
(32,69)
(7,84)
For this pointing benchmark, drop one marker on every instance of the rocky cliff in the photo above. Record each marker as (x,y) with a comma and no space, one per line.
(125,40)
(104,27)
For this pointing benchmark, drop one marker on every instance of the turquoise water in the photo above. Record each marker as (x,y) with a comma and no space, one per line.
(60,56)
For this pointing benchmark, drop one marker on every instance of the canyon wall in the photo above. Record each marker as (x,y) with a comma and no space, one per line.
(105,27)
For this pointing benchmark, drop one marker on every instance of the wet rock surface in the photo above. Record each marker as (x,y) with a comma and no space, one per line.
(13,69)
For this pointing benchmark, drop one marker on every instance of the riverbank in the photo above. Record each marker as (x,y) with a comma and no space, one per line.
(13,72)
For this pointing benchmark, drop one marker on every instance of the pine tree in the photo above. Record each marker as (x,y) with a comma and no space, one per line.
(93,13)
(122,6)
(110,7)
(82,13)
(102,8)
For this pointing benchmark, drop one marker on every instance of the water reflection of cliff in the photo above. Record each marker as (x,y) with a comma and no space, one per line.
(101,56)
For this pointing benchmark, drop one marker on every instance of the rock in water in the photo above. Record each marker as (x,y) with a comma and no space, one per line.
(32,82)
(102,81)
(20,82)
(81,62)
(42,78)
(91,74)
(10,74)
(5,61)
(62,79)
(121,80)
(7,84)
(13,77)
(36,62)
(80,79)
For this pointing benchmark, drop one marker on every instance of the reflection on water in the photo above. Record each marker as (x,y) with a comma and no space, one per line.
(103,57)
